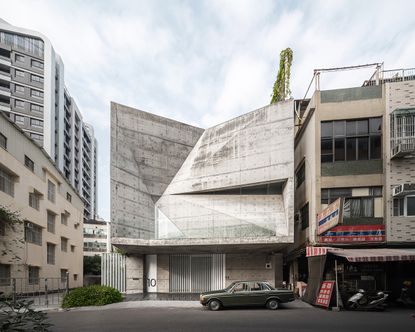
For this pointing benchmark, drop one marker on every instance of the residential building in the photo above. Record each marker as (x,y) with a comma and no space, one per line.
(48,244)
(34,96)
(355,172)
(96,237)
(197,209)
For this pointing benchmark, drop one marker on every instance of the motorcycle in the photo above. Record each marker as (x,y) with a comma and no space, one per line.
(404,299)
(360,301)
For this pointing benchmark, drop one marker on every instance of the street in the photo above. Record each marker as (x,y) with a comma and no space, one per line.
(287,318)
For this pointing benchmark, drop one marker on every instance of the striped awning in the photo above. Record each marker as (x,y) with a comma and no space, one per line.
(366,255)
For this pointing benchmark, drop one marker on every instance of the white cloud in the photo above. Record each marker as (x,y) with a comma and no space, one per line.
(203,62)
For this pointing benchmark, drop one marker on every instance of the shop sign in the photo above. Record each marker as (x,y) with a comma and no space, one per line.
(330,216)
(324,296)
(354,234)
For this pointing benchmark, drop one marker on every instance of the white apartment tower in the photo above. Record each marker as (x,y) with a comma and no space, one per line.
(34,96)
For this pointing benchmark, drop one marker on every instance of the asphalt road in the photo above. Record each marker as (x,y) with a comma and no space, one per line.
(240,320)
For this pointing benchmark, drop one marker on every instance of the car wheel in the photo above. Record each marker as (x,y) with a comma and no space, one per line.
(273,304)
(214,305)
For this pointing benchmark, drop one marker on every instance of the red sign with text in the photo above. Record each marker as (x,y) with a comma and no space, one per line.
(324,296)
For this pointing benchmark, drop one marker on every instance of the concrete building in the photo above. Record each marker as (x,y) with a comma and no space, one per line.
(197,209)
(356,144)
(96,237)
(49,242)
(34,96)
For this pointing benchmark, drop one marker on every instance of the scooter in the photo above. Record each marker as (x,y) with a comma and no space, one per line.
(360,301)
(404,299)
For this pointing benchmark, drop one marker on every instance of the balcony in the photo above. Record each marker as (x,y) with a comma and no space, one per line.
(391,76)
(403,133)
(404,189)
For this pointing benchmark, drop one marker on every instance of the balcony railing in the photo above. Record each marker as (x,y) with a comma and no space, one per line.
(391,76)
(402,132)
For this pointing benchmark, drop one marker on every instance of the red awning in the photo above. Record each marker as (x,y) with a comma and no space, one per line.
(374,255)
(365,255)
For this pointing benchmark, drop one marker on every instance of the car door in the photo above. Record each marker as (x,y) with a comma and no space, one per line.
(258,293)
(238,296)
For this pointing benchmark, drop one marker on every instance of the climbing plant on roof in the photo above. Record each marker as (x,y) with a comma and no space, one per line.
(281,90)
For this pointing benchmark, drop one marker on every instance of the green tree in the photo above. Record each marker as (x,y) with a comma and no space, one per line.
(92,265)
(281,90)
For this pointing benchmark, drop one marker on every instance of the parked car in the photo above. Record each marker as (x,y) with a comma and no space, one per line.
(246,293)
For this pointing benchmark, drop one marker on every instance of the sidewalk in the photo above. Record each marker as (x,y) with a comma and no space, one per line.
(297,304)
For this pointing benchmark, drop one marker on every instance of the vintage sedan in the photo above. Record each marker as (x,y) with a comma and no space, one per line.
(246,293)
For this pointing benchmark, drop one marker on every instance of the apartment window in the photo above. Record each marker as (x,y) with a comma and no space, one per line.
(19,119)
(75,277)
(19,73)
(36,123)
(51,222)
(19,88)
(64,219)
(19,58)
(6,183)
(3,141)
(37,79)
(72,248)
(34,200)
(404,206)
(33,233)
(19,103)
(36,93)
(36,136)
(64,275)
(37,64)
(51,191)
(29,163)
(5,275)
(354,206)
(64,244)
(50,248)
(300,175)
(351,140)
(69,197)
(34,275)
(36,108)
(304,216)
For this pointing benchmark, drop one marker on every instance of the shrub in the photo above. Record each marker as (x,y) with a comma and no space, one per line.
(91,296)
(20,316)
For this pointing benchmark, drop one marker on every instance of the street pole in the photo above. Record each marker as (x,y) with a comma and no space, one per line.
(337,308)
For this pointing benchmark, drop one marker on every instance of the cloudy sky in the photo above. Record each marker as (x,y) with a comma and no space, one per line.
(203,62)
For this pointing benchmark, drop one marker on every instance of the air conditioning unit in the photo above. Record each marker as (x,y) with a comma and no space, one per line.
(398,190)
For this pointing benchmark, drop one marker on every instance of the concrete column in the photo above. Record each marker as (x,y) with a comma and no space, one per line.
(135,274)
(278,268)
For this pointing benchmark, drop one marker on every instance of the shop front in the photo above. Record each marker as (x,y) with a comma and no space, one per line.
(373,270)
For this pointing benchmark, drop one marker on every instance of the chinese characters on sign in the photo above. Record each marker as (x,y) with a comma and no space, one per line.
(355,233)
(324,296)
(330,216)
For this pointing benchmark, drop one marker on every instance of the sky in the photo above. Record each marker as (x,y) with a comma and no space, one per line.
(205,62)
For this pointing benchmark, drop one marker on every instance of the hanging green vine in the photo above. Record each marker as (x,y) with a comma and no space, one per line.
(281,90)
(7,215)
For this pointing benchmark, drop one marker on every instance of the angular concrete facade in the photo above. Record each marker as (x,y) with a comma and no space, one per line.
(197,203)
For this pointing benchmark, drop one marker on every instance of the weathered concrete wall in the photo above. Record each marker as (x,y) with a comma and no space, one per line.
(146,152)
(398,171)
(254,149)
(251,267)
(134,265)
(163,273)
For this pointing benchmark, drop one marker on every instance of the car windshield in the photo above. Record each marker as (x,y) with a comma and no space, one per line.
(230,286)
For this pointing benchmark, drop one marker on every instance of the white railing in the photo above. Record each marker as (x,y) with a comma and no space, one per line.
(390,76)
(402,133)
